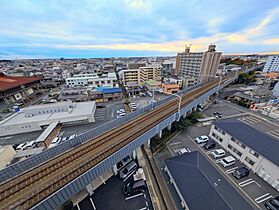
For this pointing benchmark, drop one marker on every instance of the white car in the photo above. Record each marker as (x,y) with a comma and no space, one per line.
(201,139)
(218,153)
(183,151)
(227,161)
(120,111)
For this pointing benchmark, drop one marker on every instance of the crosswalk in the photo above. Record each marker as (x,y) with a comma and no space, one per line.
(274,133)
(100,114)
(250,119)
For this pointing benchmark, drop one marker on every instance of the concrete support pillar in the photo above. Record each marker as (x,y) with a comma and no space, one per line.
(169,127)
(134,154)
(160,133)
(147,144)
(89,189)
(114,169)
(185,114)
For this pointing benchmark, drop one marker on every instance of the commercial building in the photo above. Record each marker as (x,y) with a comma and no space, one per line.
(275,90)
(272,64)
(200,65)
(14,89)
(92,80)
(170,88)
(200,186)
(258,151)
(37,117)
(141,75)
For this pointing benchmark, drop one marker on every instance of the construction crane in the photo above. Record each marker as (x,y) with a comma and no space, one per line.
(125,94)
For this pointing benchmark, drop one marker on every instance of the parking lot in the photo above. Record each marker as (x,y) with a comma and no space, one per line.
(252,187)
(110,196)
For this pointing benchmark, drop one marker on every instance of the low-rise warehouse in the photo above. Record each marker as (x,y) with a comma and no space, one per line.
(38,117)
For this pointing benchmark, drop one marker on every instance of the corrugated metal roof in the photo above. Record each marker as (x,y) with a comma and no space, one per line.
(262,143)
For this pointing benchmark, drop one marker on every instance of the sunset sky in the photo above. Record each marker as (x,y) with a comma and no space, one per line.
(120,28)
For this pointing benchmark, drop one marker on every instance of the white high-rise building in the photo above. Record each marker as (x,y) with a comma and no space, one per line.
(272,64)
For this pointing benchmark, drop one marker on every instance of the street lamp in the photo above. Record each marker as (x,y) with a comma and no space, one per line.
(180,99)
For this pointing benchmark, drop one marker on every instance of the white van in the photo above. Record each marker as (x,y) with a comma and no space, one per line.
(218,153)
(227,161)
(55,141)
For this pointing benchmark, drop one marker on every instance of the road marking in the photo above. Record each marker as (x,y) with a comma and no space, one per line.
(260,201)
(218,161)
(231,170)
(134,196)
(78,206)
(209,152)
(258,184)
(243,185)
(146,203)
(247,180)
(175,143)
(262,198)
(143,208)
(144,195)
(94,207)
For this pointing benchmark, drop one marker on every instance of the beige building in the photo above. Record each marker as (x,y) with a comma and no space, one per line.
(7,154)
(200,65)
(140,75)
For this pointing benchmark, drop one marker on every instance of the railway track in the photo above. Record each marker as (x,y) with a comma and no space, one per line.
(28,189)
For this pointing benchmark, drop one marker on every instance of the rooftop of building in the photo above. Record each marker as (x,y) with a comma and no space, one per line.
(263,144)
(9,82)
(201,185)
(78,109)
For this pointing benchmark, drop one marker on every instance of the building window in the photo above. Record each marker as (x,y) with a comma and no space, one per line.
(217,137)
(235,150)
(248,160)
(238,142)
(254,153)
(220,130)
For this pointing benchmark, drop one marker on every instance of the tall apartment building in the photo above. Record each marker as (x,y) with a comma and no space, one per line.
(200,65)
(272,64)
(140,75)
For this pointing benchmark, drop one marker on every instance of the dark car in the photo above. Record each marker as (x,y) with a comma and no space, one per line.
(218,114)
(209,145)
(134,187)
(273,204)
(241,172)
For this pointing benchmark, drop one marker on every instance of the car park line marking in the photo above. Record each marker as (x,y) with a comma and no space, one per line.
(146,203)
(170,150)
(143,208)
(209,152)
(94,207)
(175,143)
(144,195)
(258,184)
(262,198)
(231,170)
(78,206)
(247,180)
(243,185)
(129,176)
(134,196)
(218,161)
(260,201)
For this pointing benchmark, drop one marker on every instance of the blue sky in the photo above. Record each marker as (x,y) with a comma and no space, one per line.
(119,28)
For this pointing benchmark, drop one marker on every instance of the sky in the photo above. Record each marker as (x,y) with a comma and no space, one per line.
(122,28)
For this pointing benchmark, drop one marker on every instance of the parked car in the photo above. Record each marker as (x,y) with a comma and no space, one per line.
(72,136)
(201,139)
(183,151)
(218,153)
(241,172)
(272,204)
(120,111)
(130,168)
(134,187)
(209,145)
(218,114)
(227,161)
